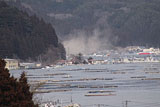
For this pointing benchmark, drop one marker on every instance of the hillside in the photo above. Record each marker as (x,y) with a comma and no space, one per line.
(118,22)
(27,37)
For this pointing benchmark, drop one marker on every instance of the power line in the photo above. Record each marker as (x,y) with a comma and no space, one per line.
(144,104)
(105,105)
(125,103)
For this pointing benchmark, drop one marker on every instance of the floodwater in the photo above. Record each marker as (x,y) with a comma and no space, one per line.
(111,85)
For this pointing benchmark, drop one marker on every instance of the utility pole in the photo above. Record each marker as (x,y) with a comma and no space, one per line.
(126,103)
(71,98)
(99,105)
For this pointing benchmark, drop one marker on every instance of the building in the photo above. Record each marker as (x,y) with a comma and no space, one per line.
(30,65)
(61,62)
(98,61)
(12,64)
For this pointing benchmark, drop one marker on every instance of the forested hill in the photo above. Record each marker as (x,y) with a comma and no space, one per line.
(130,22)
(27,37)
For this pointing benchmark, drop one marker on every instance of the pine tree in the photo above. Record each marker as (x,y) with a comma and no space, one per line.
(14,93)
(26,95)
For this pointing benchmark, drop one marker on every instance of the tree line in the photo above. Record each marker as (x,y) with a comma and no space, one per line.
(26,37)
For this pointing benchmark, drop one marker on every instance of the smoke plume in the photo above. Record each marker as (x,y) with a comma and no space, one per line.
(87,42)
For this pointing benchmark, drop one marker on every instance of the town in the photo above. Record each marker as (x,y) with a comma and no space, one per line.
(131,54)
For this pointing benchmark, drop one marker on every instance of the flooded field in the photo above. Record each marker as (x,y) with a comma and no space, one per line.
(111,85)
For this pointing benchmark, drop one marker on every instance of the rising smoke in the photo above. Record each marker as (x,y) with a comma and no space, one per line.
(87,42)
(98,39)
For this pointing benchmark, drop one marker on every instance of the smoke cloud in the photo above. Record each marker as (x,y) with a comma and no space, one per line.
(98,39)
(87,42)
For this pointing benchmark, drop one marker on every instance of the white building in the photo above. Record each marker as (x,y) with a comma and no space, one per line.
(12,64)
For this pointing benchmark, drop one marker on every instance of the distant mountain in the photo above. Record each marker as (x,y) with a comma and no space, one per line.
(123,22)
(27,37)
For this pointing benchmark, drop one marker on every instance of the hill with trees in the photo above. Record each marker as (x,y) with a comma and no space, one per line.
(123,22)
(27,37)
